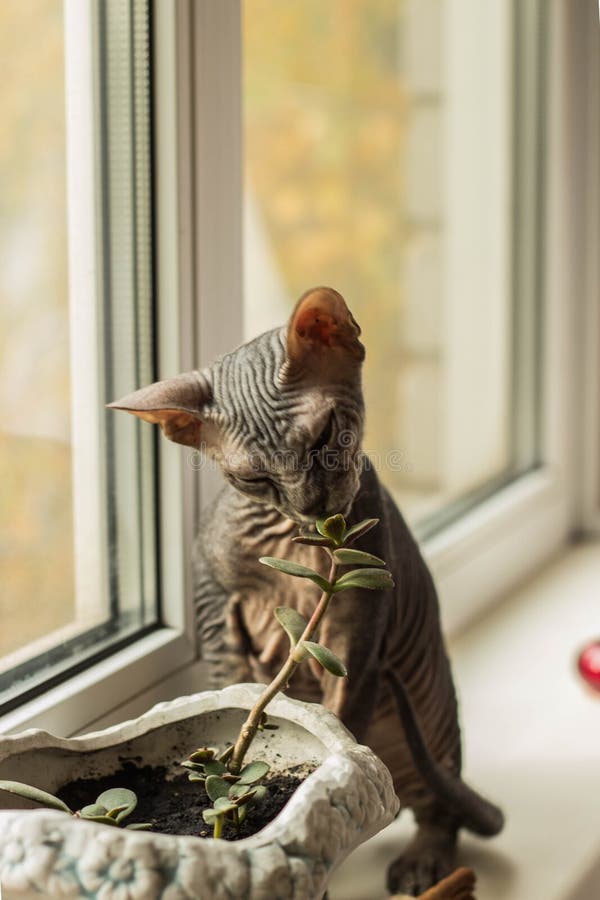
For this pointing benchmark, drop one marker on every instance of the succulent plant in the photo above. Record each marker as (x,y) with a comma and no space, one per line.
(232,795)
(233,800)
(225,778)
(334,537)
(111,807)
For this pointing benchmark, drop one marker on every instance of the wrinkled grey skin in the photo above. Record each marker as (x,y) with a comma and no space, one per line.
(266,403)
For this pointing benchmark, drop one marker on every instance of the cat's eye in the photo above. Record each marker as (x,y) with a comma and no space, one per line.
(325,435)
(258,482)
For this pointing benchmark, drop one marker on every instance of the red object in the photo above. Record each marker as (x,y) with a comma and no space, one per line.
(589,664)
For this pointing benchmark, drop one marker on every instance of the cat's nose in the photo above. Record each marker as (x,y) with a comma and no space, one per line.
(314,509)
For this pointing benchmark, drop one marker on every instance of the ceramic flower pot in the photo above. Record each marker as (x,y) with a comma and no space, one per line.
(347,799)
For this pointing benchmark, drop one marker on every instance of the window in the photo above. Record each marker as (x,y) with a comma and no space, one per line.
(428,181)
(36,566)
(78,510)
(413,138)
(378,149)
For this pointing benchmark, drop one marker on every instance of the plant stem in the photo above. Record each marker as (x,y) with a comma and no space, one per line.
(218,829)
(250,726)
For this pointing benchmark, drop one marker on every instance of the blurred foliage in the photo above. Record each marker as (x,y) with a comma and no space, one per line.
(325,137)
(36,533)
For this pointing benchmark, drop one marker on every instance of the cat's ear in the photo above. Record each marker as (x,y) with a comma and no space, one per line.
(323,336)
(175,404)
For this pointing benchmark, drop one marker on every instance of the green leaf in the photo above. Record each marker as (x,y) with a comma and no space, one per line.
(193,776)
(260,792)
(292,623)
(314,540)
(216,787)
(94,809)
(357,531)
(116,812)
(254,771)
(237,790)
(327,659)
(349,557)
(104,820)
(119,801)
(140,826)
(240,793)
(210,816)
(243,799)
(371,579)
(292,568)
(195,767)
(202,754)
(223,805)
(214,767)
(32,793)
(227,752)
(333,528)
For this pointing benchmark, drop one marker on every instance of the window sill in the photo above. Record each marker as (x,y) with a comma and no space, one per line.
(487,553)
(532,733)
(78,703)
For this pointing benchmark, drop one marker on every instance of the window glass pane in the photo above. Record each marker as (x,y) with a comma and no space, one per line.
(77,512)
(377,140)
(36,521)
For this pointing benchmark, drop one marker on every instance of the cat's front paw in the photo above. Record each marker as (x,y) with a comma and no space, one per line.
(419,869)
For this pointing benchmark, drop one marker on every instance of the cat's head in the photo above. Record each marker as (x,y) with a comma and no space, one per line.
(282,414)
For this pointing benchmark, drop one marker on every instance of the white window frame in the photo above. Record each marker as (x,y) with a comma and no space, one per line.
(198,156)
(582,121)
(91,694)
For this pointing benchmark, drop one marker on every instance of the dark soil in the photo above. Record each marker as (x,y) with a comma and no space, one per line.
(175,806)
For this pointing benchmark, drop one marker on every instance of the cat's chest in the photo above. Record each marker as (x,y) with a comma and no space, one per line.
(262,589)
(257,590)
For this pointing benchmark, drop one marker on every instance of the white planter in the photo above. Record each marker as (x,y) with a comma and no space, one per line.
(346,800)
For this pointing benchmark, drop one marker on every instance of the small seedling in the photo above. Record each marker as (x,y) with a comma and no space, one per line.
(208,761)
(232,795)
(110,808)
(233,800)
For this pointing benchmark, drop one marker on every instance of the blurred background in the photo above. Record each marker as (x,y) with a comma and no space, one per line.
(349,150)
(36,515)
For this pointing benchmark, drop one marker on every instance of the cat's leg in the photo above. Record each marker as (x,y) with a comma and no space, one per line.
(429,857)
(366,706)
(354,634)
(430,854)
(222,641)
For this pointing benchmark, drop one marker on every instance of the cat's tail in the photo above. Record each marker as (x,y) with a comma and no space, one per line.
(474,811)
